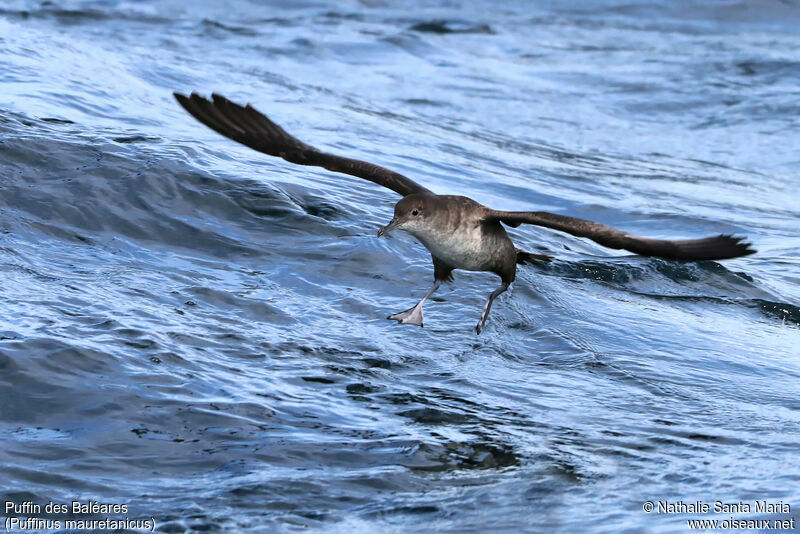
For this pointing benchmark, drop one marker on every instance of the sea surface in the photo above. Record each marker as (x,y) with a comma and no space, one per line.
(198,331)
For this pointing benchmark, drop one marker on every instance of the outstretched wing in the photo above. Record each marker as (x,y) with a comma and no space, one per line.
(720,247)
(250,127)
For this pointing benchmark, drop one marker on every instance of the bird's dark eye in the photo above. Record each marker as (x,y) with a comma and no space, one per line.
(415,212)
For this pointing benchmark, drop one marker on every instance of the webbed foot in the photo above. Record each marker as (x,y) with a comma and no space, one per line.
(410,316)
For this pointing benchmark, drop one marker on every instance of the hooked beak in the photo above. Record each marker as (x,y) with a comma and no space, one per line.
(389,227)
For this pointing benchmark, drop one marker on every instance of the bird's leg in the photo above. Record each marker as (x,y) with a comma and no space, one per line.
(414,315)
(488,306)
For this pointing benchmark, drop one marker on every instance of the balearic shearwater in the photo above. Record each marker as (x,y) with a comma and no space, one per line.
(458,232)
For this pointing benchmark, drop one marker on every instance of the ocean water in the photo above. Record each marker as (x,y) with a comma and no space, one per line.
(197,330)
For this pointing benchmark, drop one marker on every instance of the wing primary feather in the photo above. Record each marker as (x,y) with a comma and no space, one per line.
(230,111)
(198,111)
(224,124)
(719,247)
(248,126)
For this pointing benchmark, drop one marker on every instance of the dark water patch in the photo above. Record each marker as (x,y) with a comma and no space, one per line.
(55,120)
(424,102)
(452,455)
(768,71)
(660,279)
(451,26)
(362,389)
(563,467)
(338,16)
(266,204)
(601,271)
(10,121)
(88,15)
(64,359)
(65,16)
(787,313)
(435,417)
(213,26)
(318,379)
(321,208)
(279,21)
(377,362)
(134,139)
(116,201)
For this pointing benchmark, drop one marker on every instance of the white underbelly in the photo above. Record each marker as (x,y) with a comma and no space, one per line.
(464,249)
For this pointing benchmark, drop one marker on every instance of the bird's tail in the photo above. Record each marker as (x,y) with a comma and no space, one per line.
(524,258)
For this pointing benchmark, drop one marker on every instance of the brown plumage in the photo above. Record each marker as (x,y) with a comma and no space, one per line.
(719,247)
(459,232)
(246,125)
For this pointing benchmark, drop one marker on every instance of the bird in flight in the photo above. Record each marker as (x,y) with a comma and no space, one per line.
(459,232)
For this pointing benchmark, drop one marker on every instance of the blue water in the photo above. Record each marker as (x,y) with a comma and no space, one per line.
(198,330)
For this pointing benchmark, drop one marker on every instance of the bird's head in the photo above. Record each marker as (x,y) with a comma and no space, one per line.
(410,214)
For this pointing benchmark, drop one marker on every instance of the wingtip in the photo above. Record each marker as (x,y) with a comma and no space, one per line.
(191,97)
(219,99)
(746,247)
(742,247)
(185,100)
